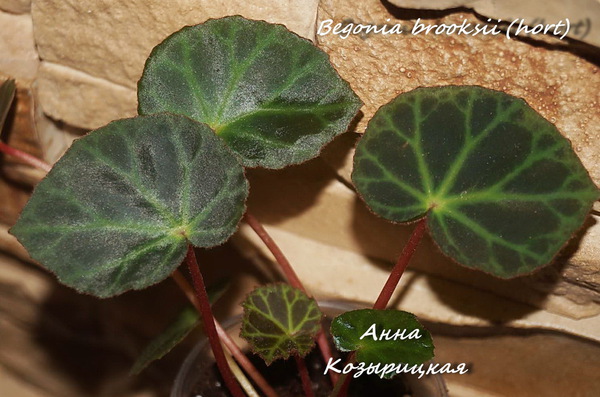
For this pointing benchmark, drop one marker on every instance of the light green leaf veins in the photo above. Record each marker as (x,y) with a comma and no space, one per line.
(120,207)
(271,95)
(280,321)
(502,188)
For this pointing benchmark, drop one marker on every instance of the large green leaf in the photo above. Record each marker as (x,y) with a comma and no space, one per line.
(271,95)
(502,188)
(382,336)
(279,321)
(119,208)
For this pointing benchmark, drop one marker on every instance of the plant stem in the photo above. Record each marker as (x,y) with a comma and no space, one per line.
(241,358)
(241,377)
(292,279)
(235,351)
(326,353)
(26,157)
(285,265)
(396,273)
(341,387)
(209,324)
(306,384)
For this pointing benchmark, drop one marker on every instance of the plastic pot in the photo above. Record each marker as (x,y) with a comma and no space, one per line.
(198,376)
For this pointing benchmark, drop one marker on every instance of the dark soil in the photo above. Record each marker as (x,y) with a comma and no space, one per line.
(283,377)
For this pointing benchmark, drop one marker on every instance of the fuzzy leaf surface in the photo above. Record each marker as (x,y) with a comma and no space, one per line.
(119,208)
(279,321)
(271,95)
(348,328)
(502,189)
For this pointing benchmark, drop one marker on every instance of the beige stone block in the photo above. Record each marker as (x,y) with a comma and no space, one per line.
(582,14)
(527,364)
(80,99)
(9,244)
(111,39)
(331,272)
(54,137)
(18,56)
(16,6)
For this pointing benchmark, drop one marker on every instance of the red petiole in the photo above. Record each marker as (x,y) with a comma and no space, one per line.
(405,257)
(26,157)
(227,341)
(209,324)
(306,384)
(341,387)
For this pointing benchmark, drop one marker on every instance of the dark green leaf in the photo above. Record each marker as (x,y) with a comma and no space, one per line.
(280,321)
(382,336)
(184,323)
(502,188)
(273,96)
(119,208)
(7,94)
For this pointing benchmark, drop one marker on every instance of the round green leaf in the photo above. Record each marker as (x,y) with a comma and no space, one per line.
(382,336)
(118,209)
(502,187)
(271,95)
(279,321)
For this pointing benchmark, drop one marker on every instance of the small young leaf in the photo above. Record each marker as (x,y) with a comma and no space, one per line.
(119,208)
(271,95)
(501,187)
(279,321)
(184,323)
(404,339)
